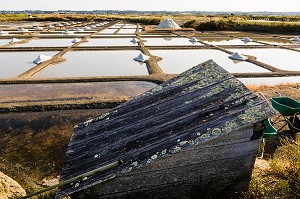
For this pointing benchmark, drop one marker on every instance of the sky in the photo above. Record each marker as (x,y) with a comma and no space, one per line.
(145,5)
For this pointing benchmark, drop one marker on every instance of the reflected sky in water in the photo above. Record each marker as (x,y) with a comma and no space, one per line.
(177,61)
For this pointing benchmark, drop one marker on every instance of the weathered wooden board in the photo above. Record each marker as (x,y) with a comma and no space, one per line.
(203,105)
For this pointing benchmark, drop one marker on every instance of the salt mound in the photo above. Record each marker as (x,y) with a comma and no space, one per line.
(167,38)
(3,32)
(246,40)
(76,40)
(23,30)
(237,56)
(67,32)
(168,23)
(141,58)
(295,39)
(14,40)
(42,58)
(134,40)
(78,30)
(38,28)
(193,40)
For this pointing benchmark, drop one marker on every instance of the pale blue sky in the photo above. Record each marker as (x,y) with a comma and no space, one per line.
(172,5)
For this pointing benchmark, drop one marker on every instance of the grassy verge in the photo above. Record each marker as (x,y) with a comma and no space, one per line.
(232,25)
(80,17)
(282,177)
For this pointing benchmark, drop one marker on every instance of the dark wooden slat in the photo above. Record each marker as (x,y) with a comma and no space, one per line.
(198,106)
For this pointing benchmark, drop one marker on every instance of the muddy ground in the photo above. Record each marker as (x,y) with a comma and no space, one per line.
(33,144)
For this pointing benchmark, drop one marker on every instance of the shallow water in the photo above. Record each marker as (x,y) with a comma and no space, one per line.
(277,41)
(96,63)
(130,31)
(178,61)
(113,35)
(109,42)
(279,58)
(4,41)
(111,31)
(64,36)
(13,64)
(169,41)
(129,26)
(229,42)
(270,80)
(47,43)
(18,93)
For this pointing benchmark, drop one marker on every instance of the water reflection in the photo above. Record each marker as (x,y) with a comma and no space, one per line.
(13,64)
(96,63)
(279,58)
(47,43)
(169,41)
(109,42)
(270,80)
(228,42)
(130,31)
(177,61)
(276,41)
(4,41)
(21,93)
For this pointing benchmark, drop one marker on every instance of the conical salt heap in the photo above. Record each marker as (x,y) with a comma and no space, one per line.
(67,32)
(295,39)
(41,58)
(193,40)
(38,28)
(237,56)
(246,40)
(134,40)
(141,58)
(78,30)
(168,23)
(75,40)
(23,30)
(14,40)
(3,32)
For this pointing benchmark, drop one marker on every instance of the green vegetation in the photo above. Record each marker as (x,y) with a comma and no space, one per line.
(80,17)
(231,25)
(273,24)
(282,179)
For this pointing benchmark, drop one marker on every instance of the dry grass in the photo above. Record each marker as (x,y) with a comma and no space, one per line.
(289,90)
(281,178)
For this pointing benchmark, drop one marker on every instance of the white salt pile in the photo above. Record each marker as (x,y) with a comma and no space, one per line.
(168,23)
(295,39)
(14,40)
(237,56)
(134,40)
(246,40)
(67,32)
(38,28)
(193,40)
(3,32)
(141,58)
(41,58)
(75,40)
(23,30)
